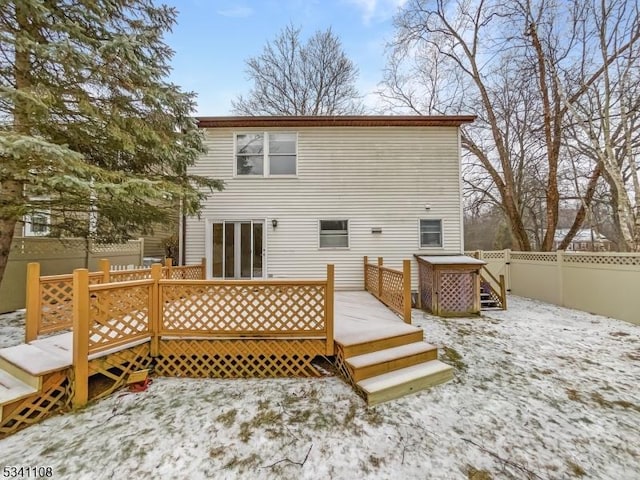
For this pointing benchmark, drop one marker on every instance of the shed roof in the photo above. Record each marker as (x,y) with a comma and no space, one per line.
(336,121)
(451,260)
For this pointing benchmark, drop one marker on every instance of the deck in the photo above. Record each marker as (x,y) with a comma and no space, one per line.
(105,334)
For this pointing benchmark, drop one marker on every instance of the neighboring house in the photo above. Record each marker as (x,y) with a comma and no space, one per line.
(302,192)
(586,239)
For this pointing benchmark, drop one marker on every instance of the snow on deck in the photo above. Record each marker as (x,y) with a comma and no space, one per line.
(359,317)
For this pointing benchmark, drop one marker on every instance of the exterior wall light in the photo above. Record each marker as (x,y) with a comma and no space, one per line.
(274,222)
(376,230)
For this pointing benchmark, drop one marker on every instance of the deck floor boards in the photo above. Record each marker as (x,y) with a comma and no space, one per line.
(359,317)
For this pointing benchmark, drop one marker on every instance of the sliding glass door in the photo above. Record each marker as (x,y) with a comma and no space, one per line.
(238,249)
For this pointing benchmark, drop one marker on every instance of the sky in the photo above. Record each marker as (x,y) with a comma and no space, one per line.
(213,39)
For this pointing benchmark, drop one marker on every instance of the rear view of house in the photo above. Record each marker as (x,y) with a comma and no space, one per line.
(302,192)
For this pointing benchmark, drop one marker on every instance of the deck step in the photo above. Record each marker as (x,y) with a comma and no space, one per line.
(33,360)
(389,386)
(356,349)
(13,389)
(383,361)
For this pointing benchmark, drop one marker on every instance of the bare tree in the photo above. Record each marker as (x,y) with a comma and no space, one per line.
(295,78)
(520,66)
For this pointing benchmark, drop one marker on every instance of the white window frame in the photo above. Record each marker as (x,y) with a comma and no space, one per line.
(320,247)
(28,224)
(431,247)
(266,164)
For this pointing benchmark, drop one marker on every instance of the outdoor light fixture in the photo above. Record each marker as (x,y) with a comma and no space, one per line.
(376,230)
(274,222)
(427,207)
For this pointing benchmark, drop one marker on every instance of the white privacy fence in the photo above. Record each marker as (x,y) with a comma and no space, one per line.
(605,283)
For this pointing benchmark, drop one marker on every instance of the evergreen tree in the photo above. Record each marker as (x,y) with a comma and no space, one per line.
(89,121)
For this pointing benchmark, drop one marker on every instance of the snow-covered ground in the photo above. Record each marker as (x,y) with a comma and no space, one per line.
(540,392)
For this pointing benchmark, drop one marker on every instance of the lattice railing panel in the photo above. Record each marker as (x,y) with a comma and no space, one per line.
(187,272)
(129,275)
(250,308)
(115,369)
(56,303)
(372,278)
(118,315)
(456,292)
(392,293)
(426,274)
(238,358)
(54,396)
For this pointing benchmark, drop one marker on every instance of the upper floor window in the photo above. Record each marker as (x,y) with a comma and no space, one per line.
(430,233)
(266,154)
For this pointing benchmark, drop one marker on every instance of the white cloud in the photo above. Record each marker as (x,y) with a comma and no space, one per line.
(236,12)
(378,10)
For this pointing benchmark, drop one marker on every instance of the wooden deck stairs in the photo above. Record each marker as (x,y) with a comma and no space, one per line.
(384,358)
(33,380)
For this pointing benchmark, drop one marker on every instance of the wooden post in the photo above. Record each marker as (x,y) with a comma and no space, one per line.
(406,286)
(203,262)
(105,266)
(33,300)
(366,261)
(379,293)
(477,301)
(141,261)
(329,307)
(81,318)
(168,264)
(419,299)
(503,292)
(154,309)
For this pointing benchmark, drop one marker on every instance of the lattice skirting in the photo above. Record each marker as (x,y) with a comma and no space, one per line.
(238,358)
(115,368)
(341,365)
(54,396)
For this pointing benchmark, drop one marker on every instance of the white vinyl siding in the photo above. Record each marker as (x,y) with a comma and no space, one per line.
(372,176)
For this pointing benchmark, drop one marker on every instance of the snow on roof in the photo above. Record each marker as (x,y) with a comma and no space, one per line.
(582,235)
(451,260)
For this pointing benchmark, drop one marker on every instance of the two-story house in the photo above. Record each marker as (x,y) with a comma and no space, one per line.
(302,192)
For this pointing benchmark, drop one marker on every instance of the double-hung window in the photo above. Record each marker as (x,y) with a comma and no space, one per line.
(268,154)
(334,234)
(430,233)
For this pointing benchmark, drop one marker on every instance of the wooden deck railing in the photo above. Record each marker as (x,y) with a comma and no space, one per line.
(391,287)
(49,298)
(109,316)
(494,287)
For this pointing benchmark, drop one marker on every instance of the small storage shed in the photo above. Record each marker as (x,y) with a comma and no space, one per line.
(449,285)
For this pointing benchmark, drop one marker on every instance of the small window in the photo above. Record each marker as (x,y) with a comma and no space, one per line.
(266,154)
(334,233)
(430,233)
(37,224)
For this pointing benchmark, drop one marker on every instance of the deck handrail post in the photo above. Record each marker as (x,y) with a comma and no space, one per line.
(154,308)
(203,264)
(105,267)
(329,307)
(406,285)
(33,302)
(379,293)
(366,261)
(169,266)
(503,292)
(81,318)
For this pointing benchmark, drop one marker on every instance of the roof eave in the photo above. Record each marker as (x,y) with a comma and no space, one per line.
(335,121)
